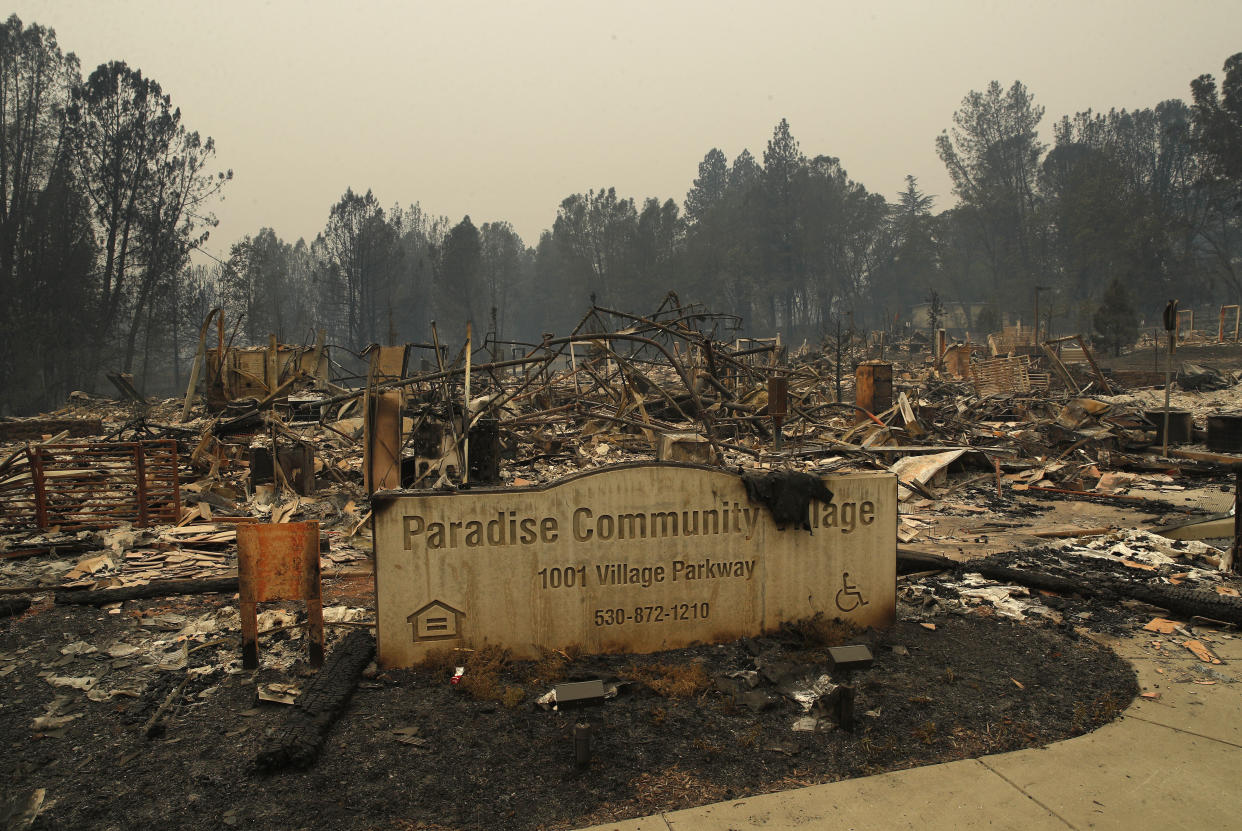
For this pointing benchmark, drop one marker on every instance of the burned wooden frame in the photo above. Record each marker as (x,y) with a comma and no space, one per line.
(1061,370)
(82,485)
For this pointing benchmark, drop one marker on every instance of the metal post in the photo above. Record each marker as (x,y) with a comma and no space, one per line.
(582,745)
(444,383)
(573,369)
(1168,380)
(140,472)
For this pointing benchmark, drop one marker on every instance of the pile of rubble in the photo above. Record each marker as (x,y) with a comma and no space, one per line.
(1108,580)
(1024,472)
(106,494)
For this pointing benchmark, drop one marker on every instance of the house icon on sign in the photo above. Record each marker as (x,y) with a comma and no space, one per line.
(436,621)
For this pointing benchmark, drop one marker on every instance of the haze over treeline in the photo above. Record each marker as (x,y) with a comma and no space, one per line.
(106,191)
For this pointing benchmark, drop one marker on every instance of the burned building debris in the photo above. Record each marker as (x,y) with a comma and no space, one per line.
(1032,493)
(273,438)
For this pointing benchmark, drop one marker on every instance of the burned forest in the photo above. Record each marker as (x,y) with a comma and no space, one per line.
(741,511)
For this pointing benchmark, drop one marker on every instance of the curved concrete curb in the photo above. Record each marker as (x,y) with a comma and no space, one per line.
(1166,763)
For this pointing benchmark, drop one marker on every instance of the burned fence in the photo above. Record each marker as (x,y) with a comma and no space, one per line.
(80,485)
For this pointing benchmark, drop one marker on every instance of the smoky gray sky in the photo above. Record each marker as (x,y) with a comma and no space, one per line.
(501,109)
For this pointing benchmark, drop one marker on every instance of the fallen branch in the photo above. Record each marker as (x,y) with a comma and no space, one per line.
(154,726)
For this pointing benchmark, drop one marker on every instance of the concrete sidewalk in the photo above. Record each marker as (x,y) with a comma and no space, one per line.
(1167,763)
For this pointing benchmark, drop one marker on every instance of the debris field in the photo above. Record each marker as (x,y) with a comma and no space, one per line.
(1045,505)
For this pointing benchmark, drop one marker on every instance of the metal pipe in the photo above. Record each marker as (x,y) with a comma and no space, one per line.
(582,745)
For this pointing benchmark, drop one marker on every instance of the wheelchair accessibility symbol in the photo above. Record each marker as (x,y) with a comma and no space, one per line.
(849,597)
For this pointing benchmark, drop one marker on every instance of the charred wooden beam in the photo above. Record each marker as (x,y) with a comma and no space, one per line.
(163,588)
(296,743)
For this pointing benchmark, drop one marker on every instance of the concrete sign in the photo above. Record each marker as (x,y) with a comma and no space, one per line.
(634,558)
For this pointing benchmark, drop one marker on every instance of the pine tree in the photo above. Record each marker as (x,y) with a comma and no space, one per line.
(1115,323)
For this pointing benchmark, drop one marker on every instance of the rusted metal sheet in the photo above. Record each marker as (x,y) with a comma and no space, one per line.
(278,562)
(79,485)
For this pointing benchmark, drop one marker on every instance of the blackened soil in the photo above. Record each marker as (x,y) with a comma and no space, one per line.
(414,751)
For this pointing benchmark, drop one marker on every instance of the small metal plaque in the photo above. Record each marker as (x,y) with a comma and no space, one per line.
(854,656)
